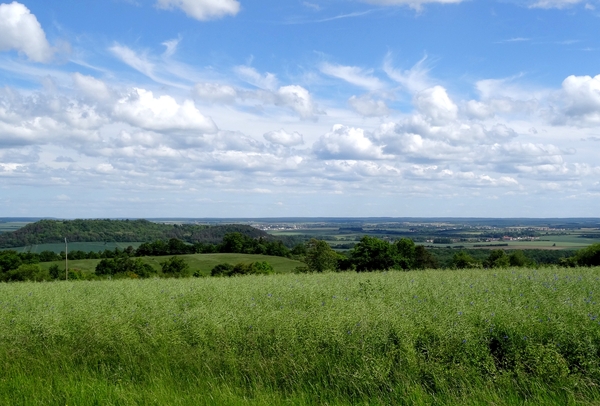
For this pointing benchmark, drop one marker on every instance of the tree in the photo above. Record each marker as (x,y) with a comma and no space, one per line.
(589,256)
(9,260)
(518,259)
(497,259)
(406,253)
(27,272)
(233,243)
(55,272)
(319,256)
(373,254)
(424,259)
(175,267)
(462,260)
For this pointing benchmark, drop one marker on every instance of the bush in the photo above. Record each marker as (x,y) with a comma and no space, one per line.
(253,268)
(221,270)
(55,272)
(27,272)
(175,267)
(124,265)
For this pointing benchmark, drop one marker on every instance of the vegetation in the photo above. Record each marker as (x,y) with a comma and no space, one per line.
(465,337)
(55,231)
(253,268)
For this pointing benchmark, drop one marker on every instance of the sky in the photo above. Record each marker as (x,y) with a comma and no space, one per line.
(240,108)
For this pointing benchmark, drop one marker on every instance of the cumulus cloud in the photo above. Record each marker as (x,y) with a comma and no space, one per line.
(162,114)
(91,87)
(581,96)
(354,75)
(298,99)
(202,9)
(21,31)
(367,106)
(282,137)
(344,142)
(215,92)
(435,104)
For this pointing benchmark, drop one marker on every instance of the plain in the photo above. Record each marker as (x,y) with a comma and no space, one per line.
(431,337)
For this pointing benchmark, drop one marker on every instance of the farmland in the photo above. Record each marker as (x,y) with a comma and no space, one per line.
(499,337)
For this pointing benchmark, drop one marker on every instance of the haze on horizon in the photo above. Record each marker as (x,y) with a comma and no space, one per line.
(322,108)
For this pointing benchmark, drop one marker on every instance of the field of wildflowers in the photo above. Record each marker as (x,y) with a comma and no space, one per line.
(433,337)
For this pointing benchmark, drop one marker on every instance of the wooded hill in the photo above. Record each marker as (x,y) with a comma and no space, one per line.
(55,231)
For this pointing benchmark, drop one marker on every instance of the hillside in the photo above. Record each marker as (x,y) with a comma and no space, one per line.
(55,231)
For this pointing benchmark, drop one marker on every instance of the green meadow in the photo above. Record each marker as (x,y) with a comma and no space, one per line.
(197,262)
(501,337)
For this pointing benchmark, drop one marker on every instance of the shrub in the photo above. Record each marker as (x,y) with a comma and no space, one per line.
(175,267)
(27,272)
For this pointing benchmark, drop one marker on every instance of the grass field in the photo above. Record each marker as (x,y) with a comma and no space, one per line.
(436,337)
(197,262)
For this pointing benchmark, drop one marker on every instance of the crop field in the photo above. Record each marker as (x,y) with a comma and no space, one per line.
(197,262)
(80,246)
(498,337)
(6,227)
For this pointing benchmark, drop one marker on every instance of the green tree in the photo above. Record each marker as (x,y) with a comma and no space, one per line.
(374,254)
(497,259)
(175,267)
(518,259)
(424,259)
(589,256)
(55,272)
(405,253)
(9,260)
(233,243)
(28,272)
(319,256)
(462,260)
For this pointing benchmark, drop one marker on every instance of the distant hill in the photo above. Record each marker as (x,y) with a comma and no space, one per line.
(55,231)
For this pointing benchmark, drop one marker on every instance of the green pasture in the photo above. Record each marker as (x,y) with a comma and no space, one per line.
(473,337)
(197,262)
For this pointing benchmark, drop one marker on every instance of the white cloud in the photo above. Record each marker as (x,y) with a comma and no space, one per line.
(131,58)
(281,137)
(354,75)
(416,4)
(21,31)
(91,87)
(203,9)
(414,79)
(298,99)
(163,114)
(367,106)
(344,142)
(581,96)
(171,47)
(250,75)
(215,92)
(436,105)
(555,3)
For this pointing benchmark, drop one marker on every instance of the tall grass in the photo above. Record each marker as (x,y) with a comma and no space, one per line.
(465,337)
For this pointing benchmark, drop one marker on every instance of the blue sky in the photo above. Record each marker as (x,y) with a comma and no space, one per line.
(234,108)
